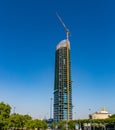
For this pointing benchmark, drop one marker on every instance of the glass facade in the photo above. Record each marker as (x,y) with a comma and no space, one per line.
(62,83)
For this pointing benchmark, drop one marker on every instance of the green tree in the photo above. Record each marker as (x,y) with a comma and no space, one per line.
(62,125)
(18,120)
(4,115)
(32,124)
(71,125)
(112,116)
(54,125)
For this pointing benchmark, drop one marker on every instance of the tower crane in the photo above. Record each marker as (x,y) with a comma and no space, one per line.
(66,29)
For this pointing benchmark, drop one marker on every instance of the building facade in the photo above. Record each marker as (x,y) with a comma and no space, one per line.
(103,114)
(62,83)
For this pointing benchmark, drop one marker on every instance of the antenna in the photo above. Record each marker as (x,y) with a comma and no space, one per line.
(66,29)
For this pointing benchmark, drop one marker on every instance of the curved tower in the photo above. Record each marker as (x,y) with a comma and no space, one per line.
(62,83)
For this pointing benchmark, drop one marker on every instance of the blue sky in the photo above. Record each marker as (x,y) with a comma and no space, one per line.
(29,33)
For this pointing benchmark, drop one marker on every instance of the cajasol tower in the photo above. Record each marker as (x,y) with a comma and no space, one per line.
(62,82)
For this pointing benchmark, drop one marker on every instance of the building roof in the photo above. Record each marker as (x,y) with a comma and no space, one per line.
(103,114)
(63,43)
(103,111)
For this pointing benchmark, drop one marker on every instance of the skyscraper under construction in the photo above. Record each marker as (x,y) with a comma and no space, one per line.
(62,83)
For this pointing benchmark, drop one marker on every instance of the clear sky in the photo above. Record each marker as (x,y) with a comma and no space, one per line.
(29,33)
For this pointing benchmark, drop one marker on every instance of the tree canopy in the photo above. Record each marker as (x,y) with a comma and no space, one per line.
(112,116)
(4,115)
(19,121)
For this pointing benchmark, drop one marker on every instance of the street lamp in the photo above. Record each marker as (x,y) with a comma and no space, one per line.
(66,125)
(51,118)
(90,118)
(74,115)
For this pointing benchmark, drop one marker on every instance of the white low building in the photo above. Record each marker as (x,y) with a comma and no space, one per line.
(103,114)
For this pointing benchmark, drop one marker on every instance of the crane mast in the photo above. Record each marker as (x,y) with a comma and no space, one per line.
(66,29)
